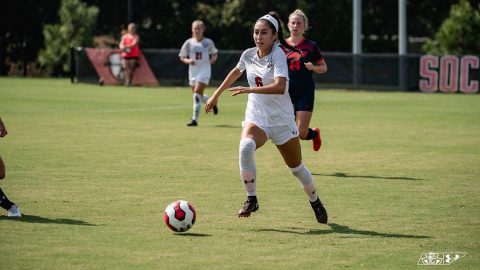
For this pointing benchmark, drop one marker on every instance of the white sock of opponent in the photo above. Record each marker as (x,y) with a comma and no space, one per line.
(205,98)
(248,171)
(197,102)
(306,179)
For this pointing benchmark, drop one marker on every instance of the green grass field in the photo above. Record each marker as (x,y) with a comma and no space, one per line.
(92,169)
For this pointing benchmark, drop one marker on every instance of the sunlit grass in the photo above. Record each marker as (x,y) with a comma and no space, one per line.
(93,168)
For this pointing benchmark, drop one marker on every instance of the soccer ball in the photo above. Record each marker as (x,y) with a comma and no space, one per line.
(180,216)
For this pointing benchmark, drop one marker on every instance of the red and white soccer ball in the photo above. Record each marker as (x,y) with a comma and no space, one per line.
(180,216)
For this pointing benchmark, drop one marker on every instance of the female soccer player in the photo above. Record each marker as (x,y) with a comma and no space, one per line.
(269,114)
(199,53)
(301,66)
(130,46)
(5,203)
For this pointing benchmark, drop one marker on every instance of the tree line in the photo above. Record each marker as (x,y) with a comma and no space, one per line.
(28,25)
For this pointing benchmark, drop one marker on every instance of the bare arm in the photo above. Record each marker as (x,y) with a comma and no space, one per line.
(187,61)
(321,68)
(213,58)
(121,46)
(234,74)
(277,87)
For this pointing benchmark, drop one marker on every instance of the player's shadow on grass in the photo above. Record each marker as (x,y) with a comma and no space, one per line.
(228,126)
(193,234)
(341,229)
(346,175)
(38,219)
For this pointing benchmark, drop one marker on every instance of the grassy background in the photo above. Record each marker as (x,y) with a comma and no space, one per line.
(92,169)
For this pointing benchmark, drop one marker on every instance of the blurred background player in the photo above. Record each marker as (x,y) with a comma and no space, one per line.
(130,46)
(269,114)
(301,67)
(199,53)
(5,203)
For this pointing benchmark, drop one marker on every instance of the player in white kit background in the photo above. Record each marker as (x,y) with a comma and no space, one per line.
(269,114)
(199,53)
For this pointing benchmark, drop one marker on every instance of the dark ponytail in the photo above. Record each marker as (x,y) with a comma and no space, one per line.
(280,31)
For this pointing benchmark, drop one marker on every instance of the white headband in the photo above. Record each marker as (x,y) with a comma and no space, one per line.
(271,19)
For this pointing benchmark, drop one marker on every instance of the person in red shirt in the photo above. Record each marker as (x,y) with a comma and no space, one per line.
(130,46)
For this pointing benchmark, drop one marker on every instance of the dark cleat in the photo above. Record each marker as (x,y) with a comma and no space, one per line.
(192,124)
(248,207)
(215,109)
(320,211)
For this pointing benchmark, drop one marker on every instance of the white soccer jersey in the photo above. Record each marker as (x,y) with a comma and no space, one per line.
(267,110)
(200,52)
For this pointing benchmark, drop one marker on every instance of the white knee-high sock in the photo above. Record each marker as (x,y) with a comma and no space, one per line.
(205,98)
(306,179)
(197,102)
(248,171)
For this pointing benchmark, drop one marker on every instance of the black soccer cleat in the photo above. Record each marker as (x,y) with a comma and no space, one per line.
(320,211)
(249,207)
(192,124)
(215,109)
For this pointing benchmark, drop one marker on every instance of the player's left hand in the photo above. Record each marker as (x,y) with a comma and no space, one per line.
(237,90)
(211,102)
(309,65)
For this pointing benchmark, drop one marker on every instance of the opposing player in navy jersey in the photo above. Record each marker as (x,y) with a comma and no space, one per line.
(300,69)
(199,53)
(269,114)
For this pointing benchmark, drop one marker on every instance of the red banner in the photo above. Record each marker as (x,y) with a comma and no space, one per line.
(107,64)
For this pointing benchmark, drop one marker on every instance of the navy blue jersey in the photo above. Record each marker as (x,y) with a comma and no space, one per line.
(301,79)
